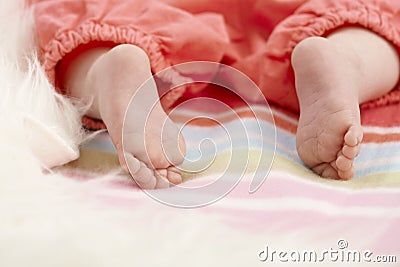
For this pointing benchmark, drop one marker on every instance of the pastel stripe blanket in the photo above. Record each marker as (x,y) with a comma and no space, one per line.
(294,217)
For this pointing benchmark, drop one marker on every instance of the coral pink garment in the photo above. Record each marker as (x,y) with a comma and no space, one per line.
(254,36)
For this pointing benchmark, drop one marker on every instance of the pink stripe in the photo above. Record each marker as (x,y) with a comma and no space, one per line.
(307,226)
(280,186)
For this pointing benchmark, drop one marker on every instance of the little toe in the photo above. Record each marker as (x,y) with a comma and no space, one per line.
(343,163)
(326,170)
(173,144)
(174,175)
(350,152)
(353,136)
(346,175)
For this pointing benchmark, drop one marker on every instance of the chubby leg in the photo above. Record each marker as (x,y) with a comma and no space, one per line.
(109,78)
(333,76)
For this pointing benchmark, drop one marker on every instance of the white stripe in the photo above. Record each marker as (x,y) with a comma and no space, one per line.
(381,130)
(373,163)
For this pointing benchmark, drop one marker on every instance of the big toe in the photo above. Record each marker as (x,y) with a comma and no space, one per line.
(143,176)
(327,170)
(173,143)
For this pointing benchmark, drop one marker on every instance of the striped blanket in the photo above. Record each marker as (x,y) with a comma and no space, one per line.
(293,212)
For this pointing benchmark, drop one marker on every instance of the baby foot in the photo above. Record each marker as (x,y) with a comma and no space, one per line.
(152,145)
(329,132)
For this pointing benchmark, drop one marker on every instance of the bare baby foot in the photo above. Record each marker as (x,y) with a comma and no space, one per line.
(153,144)
(329,131)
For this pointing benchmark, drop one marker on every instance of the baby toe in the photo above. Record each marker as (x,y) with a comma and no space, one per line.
(343,163)
(346,175)
(173,145)
(350,152)
(174,175)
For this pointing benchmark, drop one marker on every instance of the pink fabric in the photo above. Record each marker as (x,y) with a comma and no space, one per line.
(254,36)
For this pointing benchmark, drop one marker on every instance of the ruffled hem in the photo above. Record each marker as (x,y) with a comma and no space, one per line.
(307,22)
(66,42)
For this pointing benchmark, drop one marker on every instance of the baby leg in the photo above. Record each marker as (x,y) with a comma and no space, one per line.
(109,78)
(333,76)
